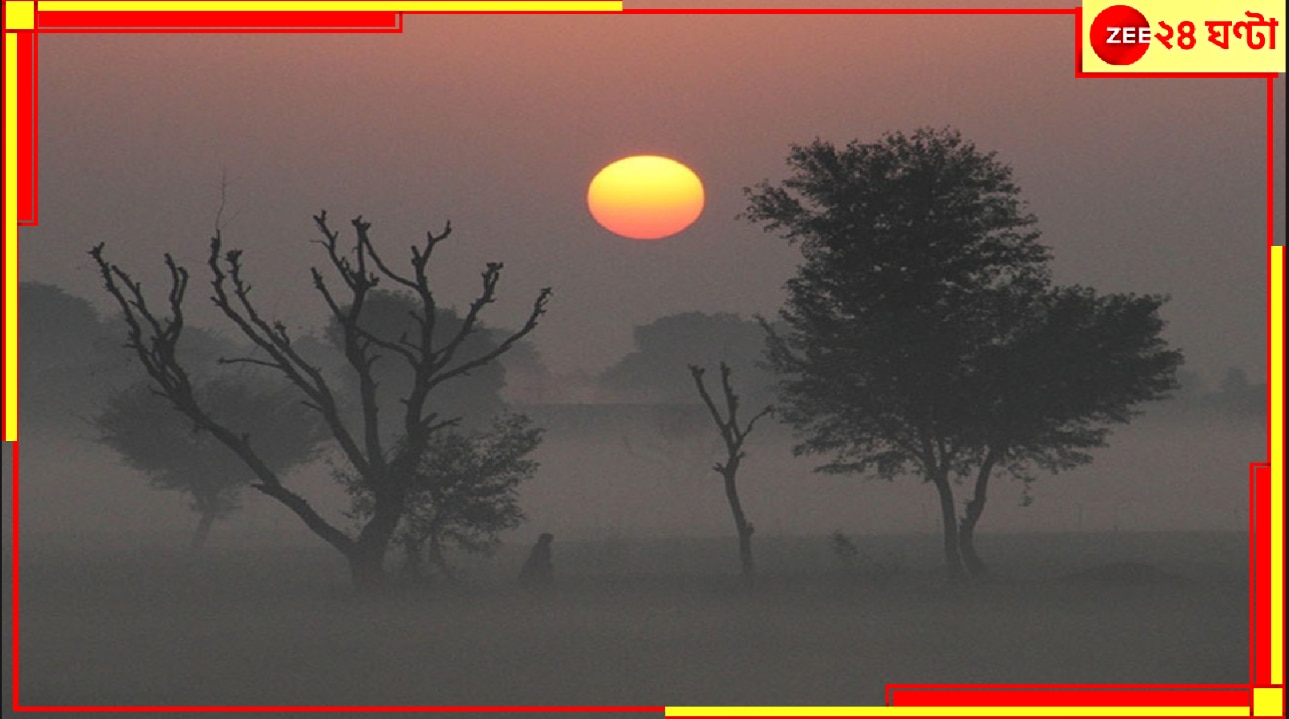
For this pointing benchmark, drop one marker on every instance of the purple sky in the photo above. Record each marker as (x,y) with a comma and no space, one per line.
(498,124)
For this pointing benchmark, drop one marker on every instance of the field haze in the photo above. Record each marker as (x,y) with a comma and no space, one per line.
(629,622)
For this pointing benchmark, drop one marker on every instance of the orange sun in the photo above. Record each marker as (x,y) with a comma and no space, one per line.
(645,197)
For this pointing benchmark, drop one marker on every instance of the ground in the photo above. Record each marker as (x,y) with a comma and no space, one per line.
(628,622)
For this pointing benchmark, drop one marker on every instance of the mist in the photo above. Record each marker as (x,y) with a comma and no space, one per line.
(1129,568)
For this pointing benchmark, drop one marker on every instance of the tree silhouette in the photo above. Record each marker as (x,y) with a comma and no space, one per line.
(68,363)
(387,472)
(922,331)
(733,436)
(652,372)
(464,493)
(180,456)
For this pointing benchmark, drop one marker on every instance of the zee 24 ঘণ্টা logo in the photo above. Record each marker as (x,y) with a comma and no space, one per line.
(1121,34)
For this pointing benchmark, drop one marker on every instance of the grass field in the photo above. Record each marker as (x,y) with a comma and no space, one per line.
(629,622)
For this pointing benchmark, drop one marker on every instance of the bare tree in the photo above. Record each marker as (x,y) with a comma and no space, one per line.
(733,436)
(388,473)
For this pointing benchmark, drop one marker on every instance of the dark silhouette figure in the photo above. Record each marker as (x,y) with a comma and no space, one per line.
(539,570)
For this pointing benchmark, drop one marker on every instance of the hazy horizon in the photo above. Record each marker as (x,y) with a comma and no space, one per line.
(498,124)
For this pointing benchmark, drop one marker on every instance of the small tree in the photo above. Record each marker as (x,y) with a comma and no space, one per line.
(733,436)
(70,362)
(922,331)
(386,472)
(179,456)
(465,491)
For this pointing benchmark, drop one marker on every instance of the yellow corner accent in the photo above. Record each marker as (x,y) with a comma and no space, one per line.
(20,15)
(1268,702)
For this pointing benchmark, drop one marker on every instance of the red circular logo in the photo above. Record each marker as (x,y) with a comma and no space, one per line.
(1120,35)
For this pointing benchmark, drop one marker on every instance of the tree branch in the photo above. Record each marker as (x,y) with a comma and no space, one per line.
(161,363)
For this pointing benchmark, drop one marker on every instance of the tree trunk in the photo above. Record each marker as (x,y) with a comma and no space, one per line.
(413,561)
(966,544)
(203,531)
(366,566)
(745,552)
(437,558)
(975,507)
(744,527)
(367,554)
(949,515)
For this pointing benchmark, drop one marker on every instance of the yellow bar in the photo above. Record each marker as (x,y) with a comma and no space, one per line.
(1268,702)
(11,237)
(912,711)
(19,15)
(1277,390)
(336,5)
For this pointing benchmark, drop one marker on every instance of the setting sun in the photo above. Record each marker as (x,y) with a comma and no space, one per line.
(645,197)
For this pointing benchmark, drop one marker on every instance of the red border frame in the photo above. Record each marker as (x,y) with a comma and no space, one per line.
(1084,696)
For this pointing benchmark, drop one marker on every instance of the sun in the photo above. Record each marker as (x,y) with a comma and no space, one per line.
(645,197)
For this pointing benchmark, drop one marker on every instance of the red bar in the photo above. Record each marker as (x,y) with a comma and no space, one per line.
(471,709)
(1070,697)
(1262,574)
(26,114)
(219,21)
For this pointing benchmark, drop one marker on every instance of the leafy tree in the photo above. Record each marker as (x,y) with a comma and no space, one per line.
(71,362)
(922,331)
(733,436)
(651,372)
(180,456)
(386,471)
(1064,367)
(465,491)
(66,359)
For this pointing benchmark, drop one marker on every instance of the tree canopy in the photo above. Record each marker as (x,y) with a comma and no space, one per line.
(68,359)
(655,370)
(177,455)
(922,331)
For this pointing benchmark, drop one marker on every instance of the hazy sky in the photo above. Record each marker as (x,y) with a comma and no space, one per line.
(498,124)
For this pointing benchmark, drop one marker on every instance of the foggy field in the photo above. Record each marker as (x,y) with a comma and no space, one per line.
(629,622)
